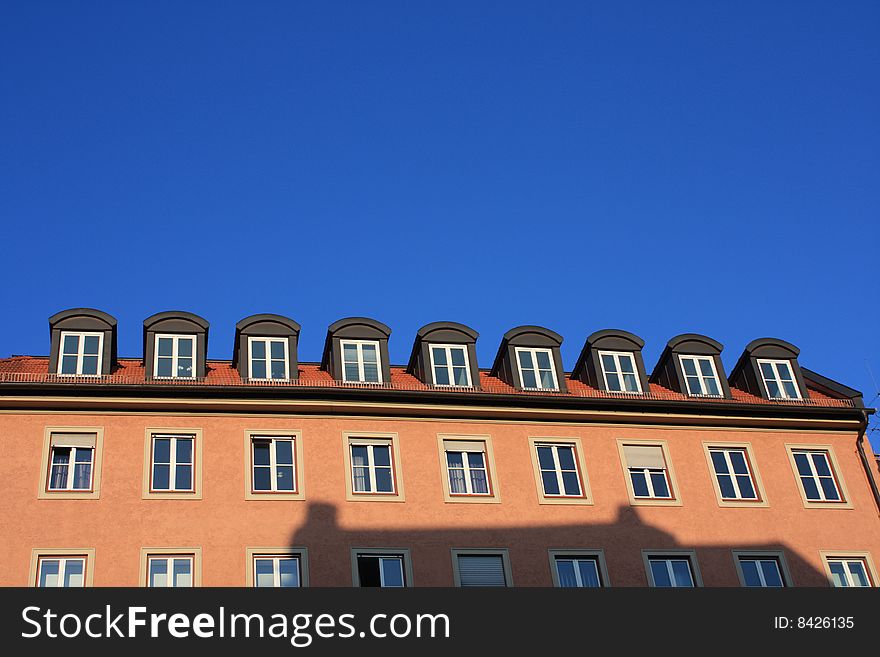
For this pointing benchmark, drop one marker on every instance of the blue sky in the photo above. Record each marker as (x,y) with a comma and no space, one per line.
(669,167)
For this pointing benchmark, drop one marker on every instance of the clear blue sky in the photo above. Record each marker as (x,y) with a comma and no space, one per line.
(661,167)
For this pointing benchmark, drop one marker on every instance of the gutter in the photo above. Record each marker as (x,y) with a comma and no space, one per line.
(860,446)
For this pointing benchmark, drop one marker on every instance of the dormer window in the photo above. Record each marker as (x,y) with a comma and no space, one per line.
(268,358)
(700,376)
(80,354)
(779,381)
(449,363)
(175,356)
(265,348)
(536,369)
(619,371)
(361,361)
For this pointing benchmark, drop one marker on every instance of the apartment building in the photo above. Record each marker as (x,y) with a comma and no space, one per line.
(264,470)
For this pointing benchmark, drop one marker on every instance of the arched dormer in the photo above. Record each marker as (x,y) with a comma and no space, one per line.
(691,364)
(445,354)
(769,368)
(529,359)
(265,348)
(82,342)
(175,345)
(611,360)
(356,350)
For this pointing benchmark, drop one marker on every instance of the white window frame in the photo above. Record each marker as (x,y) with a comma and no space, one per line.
(650,484)
(667,560)
(815,476)
(175,338)
(71,465)
(554,447)
(759,560)
(466,468)
(273,465)
(534,351)
(276,568)
(371,468)
(449,369)
(172,465)
(267,341)
(616,356)
(577,571)
(862,560)
(360,360)
(169,565)
(730,473)
(702,377)
(774,364)
(80,352)
(62,567)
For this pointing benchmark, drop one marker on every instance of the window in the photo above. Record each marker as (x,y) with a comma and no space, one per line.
(619,370)
(175,356)
(71,462)
(386,570)
(373,464)
(700,376)
(71,468)
(733,473)
(559,470)
(272,571)
(848,571)
(268,358)
(817,478)
(360,361)
(648,474)
(172,463)
(671,570)
(467,464)
(779,379)
(450,365)
(68,572)
(80,354)
(573,570)
(483,567)
(273,469)
(760,571)
(170,571)
(536,370)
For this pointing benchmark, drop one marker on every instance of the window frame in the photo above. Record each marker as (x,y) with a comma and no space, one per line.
(255,552)
(80,353)
(774,362)
(864,557)
(175,337)
(845,501)
(449,367)
(195,493)
(360,361)
(403,553)
(519,369)
(147,553)
(500,552)
(373,438)
(44,492)
(689,555)
(298,478)
(616,356)
(494,495)
(172,462)
(586,496)
(267,340)
(39,555)
(595,554)
(762,555)
(697,358)
(754,472)
(671,479)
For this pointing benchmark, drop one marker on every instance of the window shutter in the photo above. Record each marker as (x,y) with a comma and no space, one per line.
(464,446)
(644,456)
(73,439)
(481,570)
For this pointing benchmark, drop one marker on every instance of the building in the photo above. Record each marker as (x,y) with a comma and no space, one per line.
(176,470)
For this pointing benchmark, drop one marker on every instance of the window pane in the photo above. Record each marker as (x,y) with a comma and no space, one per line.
(351,372)
(631,382)
(261,452)
(712,387)
(183,477)
(525,360)
(284,478)
(90,365)
(439,356)
(772,577)
(820,462)
(858,573)
(279,369)
(369,351)
(681,570)
(811,491)
(383,480)
(773,390)
(258,349)
(456,482)
(161,477)
(166,346)
(371,373)
(460,374)
(566,458)
(658,480)
(790,390)
(543,359)
(479,483)
(361,480)
(49,569)
(458,358)
(163,367)
(784,371)
(747,491)
(289,572)
(58,478)
(184,450)
(258,369)
(829,488)
(750,572)
(73,573)
(441,376)
(706,368)
(284,452)
(264,573)
(551,486)
(614,383)
(71,344)
(392,572)
(185,347)
(454,460)
(640,483)
(182,572)
(838,574)
(547,381)
(726,485)
(475,459)
(82,476)
(262,478)
(689,366)
(90,345)
(719,462)
(571,483)
(349,353)
(627,365)
(382,454)
(738,459)
(359,455)
(565,571)
(529,379)
(660,574)
(608,364)
(276,348)
(158,572)
(589,573)
(184,367)
(803,465)
(68,365)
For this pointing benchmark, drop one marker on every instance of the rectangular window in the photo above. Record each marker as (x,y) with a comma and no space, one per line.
(273,464)
(55,571)
(268,358)
(700,376)
(578,571)
(648,473)
(761,571)
(381,570)
(536,370)
(733,473)
(558,467)
(619,370)
(481,568)
(671,571)
(816,475)
(276,571)
(175,357)
(450,365)
(466,467)
(779,381)
(848,572)
(71,468)
(172,463)
(372,469)
(360,361)
(81,354)
(170,570)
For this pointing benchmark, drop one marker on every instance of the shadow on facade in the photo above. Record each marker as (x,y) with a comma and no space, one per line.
(330,546)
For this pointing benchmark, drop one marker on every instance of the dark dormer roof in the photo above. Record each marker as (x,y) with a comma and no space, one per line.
(506,366)
(589,370)
(668,371)
(442,333)
(354,328)
(745,374)
(269,326)
(87,320)
(176,322)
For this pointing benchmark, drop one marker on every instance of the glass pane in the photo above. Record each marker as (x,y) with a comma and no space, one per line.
(725,483)
(750,572)
(565,571)
(681,570)
(719,462)
(73,573)
(258,349)
(639,483)
(158,572)
(382,454)
(82,476)
(773,390)
(284,452)
(458,358)
(68,365)
(738,459)
(454,460)
(359,455)
(790,390)
(858,573)
(712,387)
(747,491)
(627,366)
(284,477)
(529,380)
(163,367)
(767,371)
(262,478)
(631,382)
(695,386)
(441,376)
(689,366)
(258,369)
(351,372)
(608,364)
(551,486)
(277,349)
(289,572)
(71,344)
(90,365)
(392,572)
(58,478)
(165,346)
(566,458)
(185,347)
(829,488)
(547,382)
(589,573)
(784,371)
(261,452)
(543,359)
(184,367)
(706,368)
(660,574)
(456,482)
(479,482)
(61,455)
(838,574)
(183,477)
(371,373)
(161,477)
(571,483)
(460,376)
(264,573)
(811,491)
(803,465)
(279,369)
(90,345)
(658,480)
(613,382)
(820,462)
(361,480)
(439,355)
(475,460)
(383,480)
(369,352)
(349,353)
(49,569)
(182,572)
(525,360)
(545,458)
(184,450)
(772,577)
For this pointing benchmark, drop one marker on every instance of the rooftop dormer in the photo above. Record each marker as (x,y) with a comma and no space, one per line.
(611,360)
(356,351)
(769,368)
(445,354)
(82,343)
(529,359)
(175,345)
(691,364)
(265,348)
